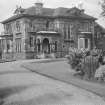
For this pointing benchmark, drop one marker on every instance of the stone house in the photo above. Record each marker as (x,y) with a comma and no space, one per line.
(38,30)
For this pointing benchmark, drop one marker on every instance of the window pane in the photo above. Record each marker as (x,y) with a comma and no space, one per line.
(81,43)
(86,43)
(18,45)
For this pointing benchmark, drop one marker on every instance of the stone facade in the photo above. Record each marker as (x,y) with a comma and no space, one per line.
(38,30)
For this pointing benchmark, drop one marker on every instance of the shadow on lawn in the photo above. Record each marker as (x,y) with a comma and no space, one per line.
(5,92)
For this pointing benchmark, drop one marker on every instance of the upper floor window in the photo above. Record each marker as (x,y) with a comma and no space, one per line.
(64,31)
(84,26)
(17,25)
(8,28)
(71,30)
(68,31)
(51,26)
(30,24)
(57,24)
(47,24)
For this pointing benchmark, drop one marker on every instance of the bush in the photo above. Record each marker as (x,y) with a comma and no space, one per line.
(100,72)
(88,66)
(74,59)
(83,62)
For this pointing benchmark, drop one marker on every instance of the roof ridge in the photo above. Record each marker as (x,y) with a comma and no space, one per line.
(52,12)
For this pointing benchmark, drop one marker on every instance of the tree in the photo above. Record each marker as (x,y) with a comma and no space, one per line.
(102,3)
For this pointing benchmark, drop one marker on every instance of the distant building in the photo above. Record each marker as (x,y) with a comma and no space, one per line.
(38,30)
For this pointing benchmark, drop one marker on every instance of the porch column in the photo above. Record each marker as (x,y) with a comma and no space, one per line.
(50,47)
(37,48)
(41,47)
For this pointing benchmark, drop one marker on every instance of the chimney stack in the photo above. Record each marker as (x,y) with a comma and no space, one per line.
(39,6)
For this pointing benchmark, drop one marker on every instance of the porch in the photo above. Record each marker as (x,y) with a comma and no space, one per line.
(47,44)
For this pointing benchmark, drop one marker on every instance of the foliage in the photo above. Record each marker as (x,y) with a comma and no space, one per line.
(87,64)
(74,58)
(102,2)
(100,72)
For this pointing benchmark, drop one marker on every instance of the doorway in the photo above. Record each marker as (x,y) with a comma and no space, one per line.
(46,46)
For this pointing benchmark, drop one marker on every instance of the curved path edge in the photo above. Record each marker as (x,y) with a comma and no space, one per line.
(95,88)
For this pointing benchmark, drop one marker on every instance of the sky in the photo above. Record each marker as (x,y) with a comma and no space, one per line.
(91,7)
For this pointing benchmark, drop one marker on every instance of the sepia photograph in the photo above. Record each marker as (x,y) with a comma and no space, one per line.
(52,52)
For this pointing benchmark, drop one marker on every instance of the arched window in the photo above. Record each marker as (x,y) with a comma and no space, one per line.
(18,26)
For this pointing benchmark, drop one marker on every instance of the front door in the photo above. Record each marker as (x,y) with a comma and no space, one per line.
(46,46)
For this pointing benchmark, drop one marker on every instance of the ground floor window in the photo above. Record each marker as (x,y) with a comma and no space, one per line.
(8,46)
(81,43)
(31,41)
(18,45)
(8,43)
(84,43)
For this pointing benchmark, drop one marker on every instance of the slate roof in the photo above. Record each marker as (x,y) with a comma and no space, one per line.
(57,12)
(45,11)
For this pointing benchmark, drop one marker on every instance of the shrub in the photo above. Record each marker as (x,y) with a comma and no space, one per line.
(70,58)
(100,72)
(74,59)
(88,66)
(81,60)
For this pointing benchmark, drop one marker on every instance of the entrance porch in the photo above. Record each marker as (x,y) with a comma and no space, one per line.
(47,44)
